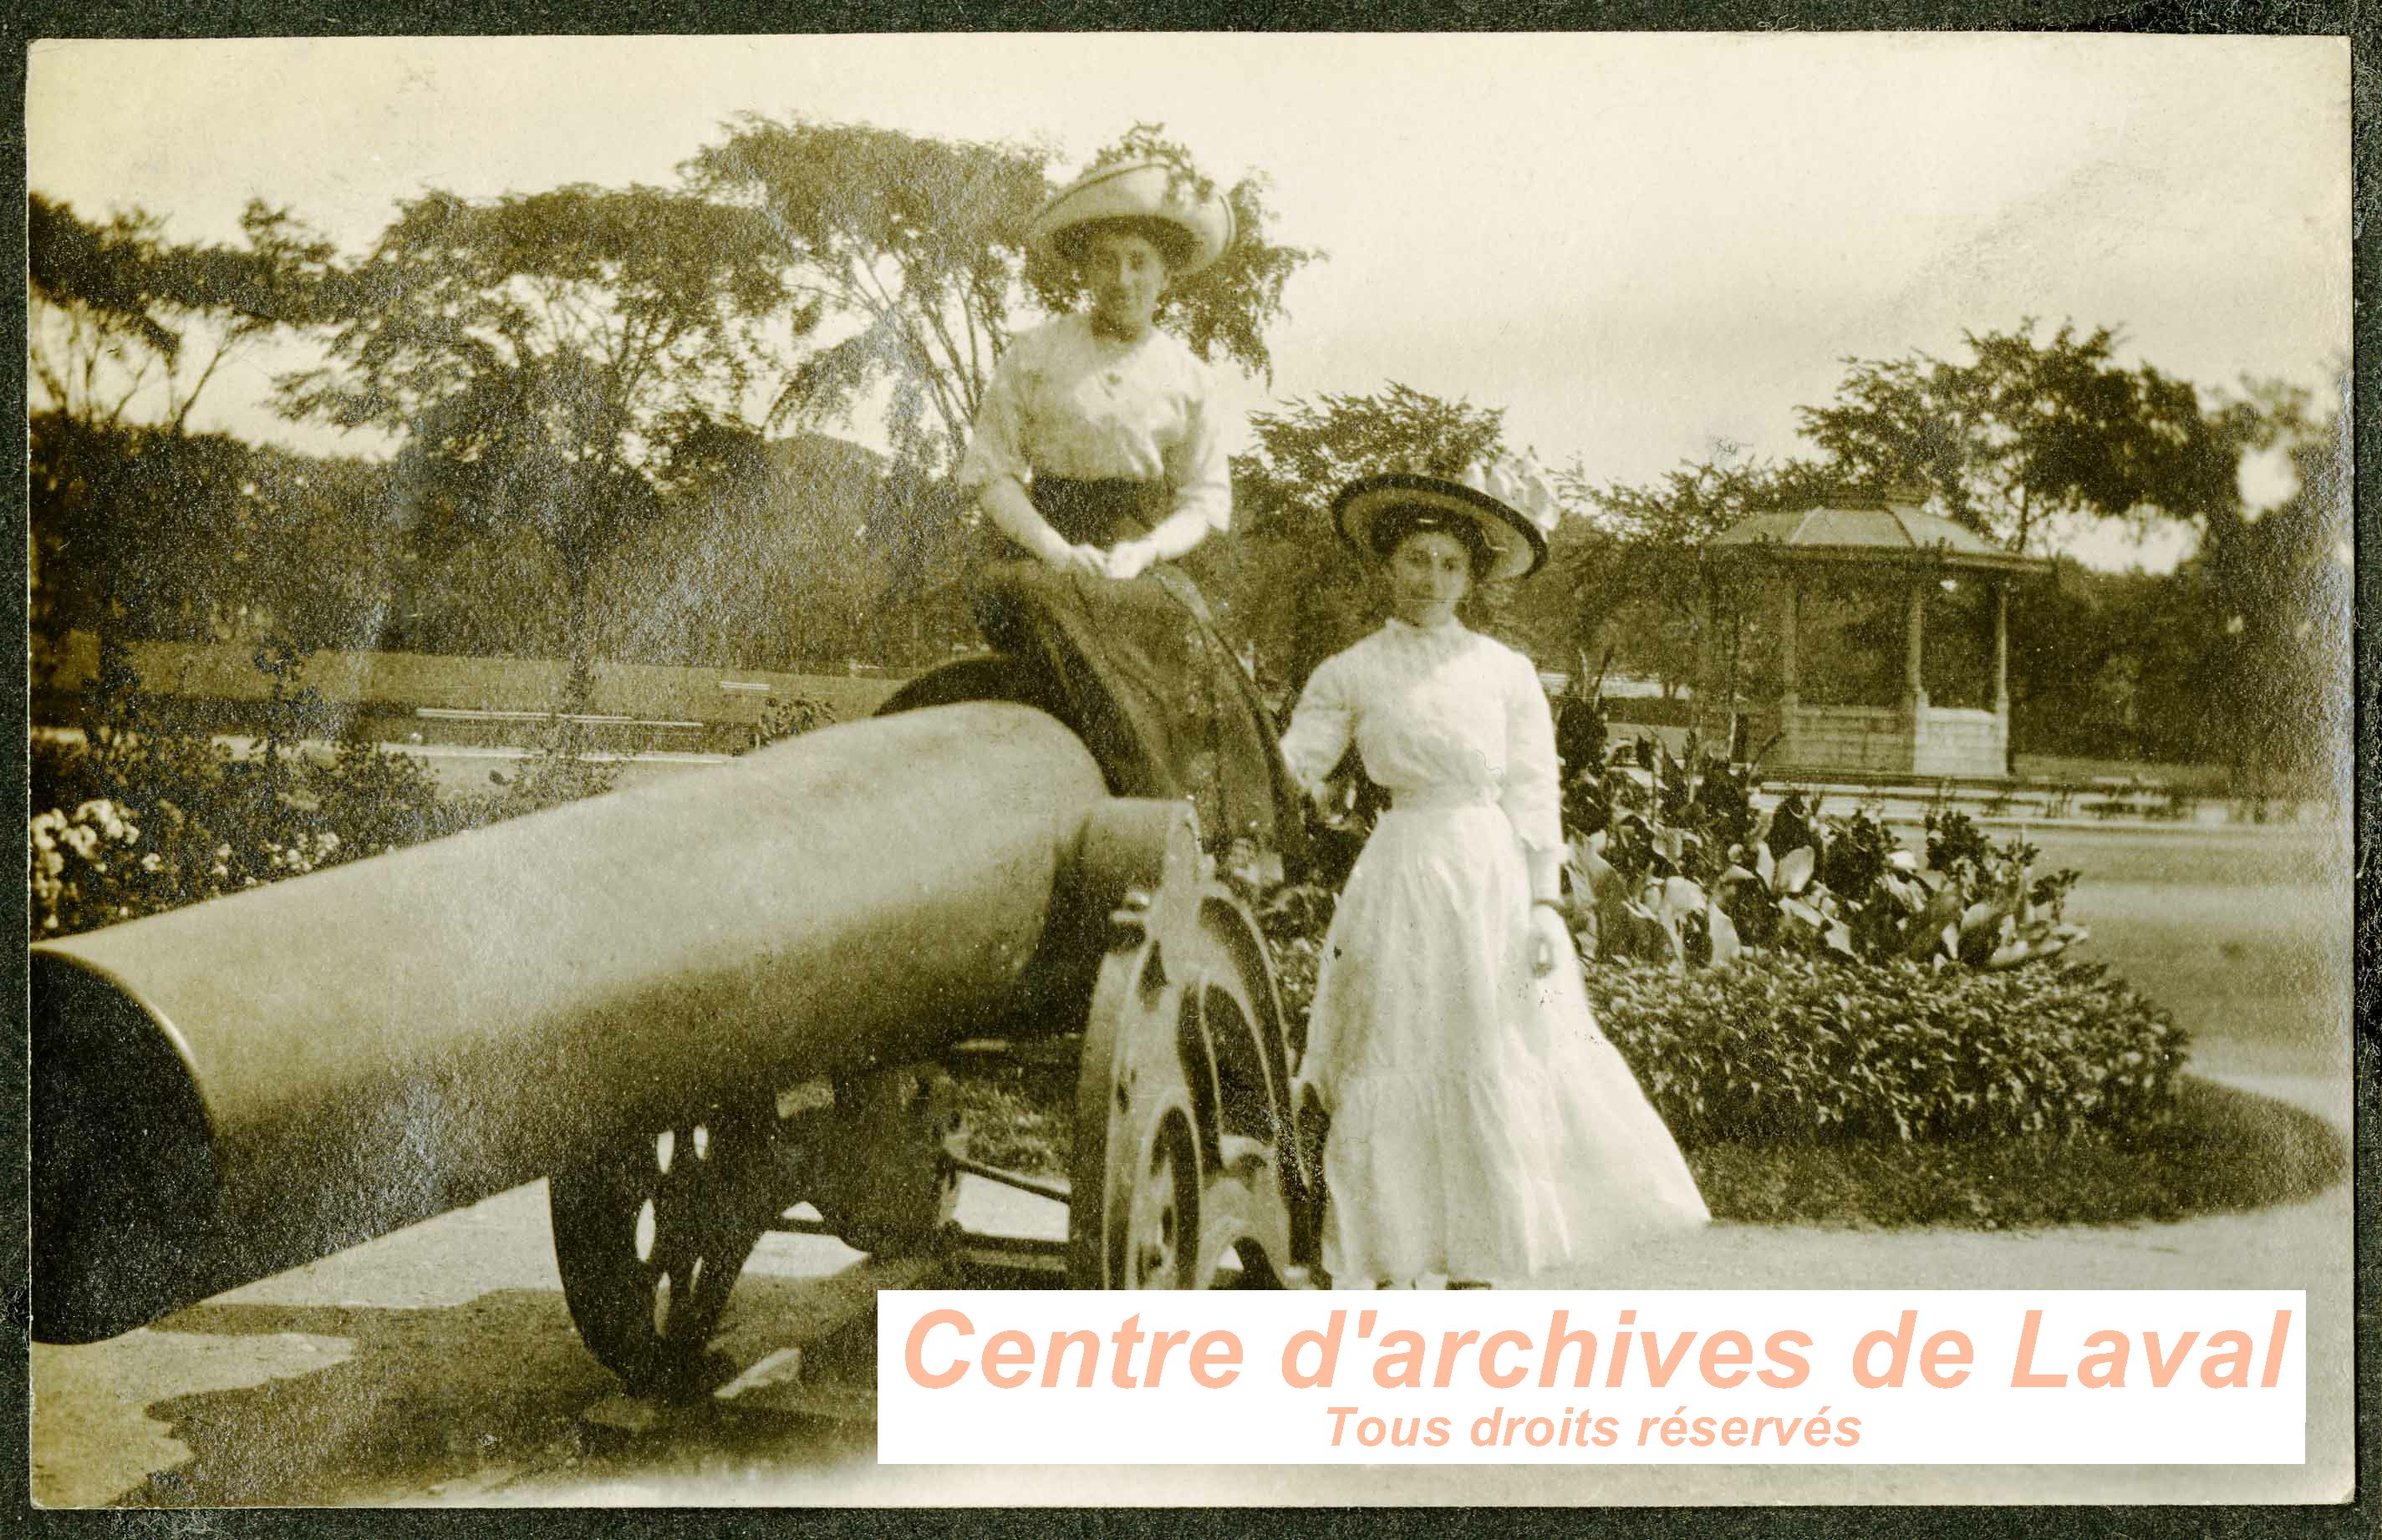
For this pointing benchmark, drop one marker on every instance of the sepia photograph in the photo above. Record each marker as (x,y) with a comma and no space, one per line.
(677,683)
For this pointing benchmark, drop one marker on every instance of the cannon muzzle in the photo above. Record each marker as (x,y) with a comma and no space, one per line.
(226,1090)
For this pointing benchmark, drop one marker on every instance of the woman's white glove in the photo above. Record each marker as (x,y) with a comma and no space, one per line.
(1550,940)
(1088,561)
(1130,559)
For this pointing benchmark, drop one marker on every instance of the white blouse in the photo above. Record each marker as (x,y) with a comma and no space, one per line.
(1438,716)
(1068,402)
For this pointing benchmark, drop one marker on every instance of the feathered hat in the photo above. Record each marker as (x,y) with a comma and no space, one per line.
(1506,499)
(1139,190)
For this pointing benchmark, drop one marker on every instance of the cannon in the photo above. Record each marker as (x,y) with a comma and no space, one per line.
(693,1008)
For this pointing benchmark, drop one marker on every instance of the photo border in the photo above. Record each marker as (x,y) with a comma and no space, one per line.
(219,18)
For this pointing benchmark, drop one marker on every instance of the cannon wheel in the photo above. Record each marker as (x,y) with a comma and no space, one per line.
(651,1239)
(1185,1172)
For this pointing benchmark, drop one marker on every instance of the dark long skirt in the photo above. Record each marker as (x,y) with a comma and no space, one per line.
(1157,691)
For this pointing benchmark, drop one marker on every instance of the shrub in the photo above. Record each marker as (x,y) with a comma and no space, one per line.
(146,816)
(1783,1049)
(379,801)
(791,717)
(1294,918)
(1683,870)
(107,862)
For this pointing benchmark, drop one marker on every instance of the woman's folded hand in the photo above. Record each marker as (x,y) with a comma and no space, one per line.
(1089,561)
(1130,559)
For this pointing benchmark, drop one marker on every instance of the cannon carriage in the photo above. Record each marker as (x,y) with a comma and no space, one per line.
(696,1008)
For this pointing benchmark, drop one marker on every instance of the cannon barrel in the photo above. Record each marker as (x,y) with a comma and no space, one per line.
(226,1090)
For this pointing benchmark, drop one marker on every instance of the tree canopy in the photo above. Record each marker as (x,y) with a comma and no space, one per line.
(537,353)
(592,391)
(2025,438)
(117,309)
(1630,562)
(911,252)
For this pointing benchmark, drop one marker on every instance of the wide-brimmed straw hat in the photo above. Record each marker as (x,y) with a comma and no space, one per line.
(1139,190)
(1506,501)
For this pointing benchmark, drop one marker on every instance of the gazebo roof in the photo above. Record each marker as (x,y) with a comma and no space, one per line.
(1887,533)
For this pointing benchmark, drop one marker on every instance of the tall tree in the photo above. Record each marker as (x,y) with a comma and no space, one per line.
(535,353)
(120,315)
(1287,586)
(906,248)
(2271,688)
(1632,563)
(2024,437)
(912,250)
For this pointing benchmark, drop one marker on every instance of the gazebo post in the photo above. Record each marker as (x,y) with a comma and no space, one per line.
(1914,687)
(1789,669)
(1878,545)
(2001,649)
(2001,671)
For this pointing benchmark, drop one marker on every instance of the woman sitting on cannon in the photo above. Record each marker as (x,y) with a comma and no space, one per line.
(1101,456)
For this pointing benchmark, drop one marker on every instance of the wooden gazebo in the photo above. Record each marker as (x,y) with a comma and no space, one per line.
(1834,589)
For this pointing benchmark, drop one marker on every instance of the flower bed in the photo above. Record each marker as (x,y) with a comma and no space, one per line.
(1788,1050)
(147,816)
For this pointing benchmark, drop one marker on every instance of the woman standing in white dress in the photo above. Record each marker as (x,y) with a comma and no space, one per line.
(1482,1128)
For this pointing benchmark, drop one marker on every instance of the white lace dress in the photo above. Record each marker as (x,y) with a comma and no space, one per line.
(1481,1126)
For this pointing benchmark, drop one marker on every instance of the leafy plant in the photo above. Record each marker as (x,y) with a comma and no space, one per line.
(149,815)
(1685,872)
(565,766)
(1786,1050)
(791,717)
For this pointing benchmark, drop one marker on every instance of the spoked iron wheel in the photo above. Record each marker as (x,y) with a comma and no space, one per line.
(1185,1172)
(650,1244)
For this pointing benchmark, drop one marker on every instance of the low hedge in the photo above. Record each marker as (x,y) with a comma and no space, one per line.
(1788,1050)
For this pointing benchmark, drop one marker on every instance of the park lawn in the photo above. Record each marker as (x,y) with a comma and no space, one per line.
(2243,936)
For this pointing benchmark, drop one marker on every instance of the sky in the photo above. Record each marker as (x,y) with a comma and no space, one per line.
(1640,246)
